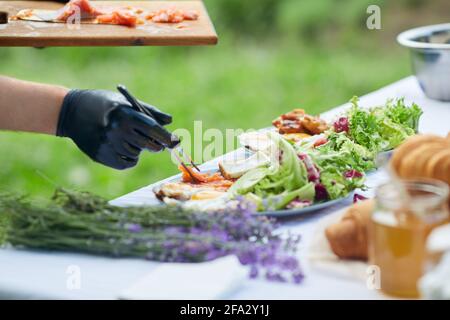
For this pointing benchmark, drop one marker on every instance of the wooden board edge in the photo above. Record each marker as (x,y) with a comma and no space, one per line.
(107,42)
(211,24)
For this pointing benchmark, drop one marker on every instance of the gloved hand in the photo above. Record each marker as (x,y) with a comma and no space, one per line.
(105,127)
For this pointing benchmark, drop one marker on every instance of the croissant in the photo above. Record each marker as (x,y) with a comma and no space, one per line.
(423,156)
(348,237)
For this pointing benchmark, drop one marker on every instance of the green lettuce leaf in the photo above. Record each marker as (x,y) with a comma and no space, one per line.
(399,113)
(277,202)
(337,157)
(383,128)
(284,179)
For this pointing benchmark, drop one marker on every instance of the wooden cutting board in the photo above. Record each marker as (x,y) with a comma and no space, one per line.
(46,34)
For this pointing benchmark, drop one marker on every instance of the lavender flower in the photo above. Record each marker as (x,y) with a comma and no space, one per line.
(216,234)
(245,206)
(254,272)
(298,276)
(166,234)
(133,227)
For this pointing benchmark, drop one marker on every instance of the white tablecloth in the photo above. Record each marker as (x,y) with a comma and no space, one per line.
(26,274)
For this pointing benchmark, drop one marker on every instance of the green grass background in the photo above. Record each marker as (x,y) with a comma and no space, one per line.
(272,56)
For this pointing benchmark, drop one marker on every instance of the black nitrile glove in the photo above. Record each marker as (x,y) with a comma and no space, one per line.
(105,127)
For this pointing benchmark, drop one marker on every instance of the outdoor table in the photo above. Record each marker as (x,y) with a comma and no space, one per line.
(34,274)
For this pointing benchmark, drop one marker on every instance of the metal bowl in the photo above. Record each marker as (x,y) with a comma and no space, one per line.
(430,52)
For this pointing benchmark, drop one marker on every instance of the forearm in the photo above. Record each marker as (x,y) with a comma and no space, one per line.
(28,106)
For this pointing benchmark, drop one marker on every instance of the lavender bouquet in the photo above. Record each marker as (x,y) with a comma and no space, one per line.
(82,222)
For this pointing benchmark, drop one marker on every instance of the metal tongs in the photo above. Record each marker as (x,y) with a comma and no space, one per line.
(176,150)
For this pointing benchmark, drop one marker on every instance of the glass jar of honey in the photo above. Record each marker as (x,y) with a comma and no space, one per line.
(404,215)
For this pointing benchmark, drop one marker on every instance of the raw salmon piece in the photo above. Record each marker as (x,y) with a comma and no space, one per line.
(171,15)
(83,7)
(190,15)
(118,17)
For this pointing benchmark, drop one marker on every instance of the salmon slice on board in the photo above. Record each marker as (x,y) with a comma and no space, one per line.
(88,13)
(123,18)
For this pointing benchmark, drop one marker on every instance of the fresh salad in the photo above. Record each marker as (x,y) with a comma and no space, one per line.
(381,128)
(304,161)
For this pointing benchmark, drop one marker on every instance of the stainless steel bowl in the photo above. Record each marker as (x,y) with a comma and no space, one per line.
(430,52)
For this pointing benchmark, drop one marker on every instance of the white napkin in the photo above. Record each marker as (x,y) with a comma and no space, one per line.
(182,281)
(322,258)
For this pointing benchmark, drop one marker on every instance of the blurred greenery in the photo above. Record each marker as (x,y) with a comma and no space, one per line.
(272,56)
